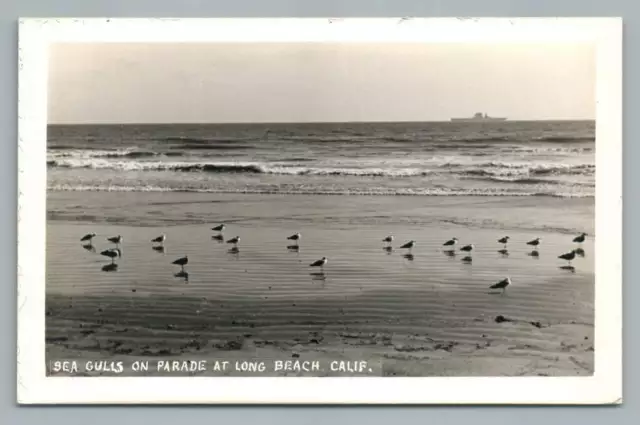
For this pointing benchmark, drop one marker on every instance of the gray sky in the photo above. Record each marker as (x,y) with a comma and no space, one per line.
(287,82)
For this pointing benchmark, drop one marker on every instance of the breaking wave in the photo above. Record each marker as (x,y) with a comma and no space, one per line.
(494,168)
(297,190)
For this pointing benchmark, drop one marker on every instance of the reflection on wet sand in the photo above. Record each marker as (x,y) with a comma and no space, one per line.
(89,247)
(182,275)
(234,252)
(568,268)
(318,276)
(112,267)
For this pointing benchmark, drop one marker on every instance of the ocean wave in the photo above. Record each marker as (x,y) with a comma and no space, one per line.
(125,153)
(565,139)
(493,168)
(287,190)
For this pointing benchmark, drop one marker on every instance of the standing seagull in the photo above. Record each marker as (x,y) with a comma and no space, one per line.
(504,241)
(388,239)
(160,239)
(111,253)
(234,240)
(502,284)
(409,245)
(116,240)
(451,242)
(580,239)
(295,237)
(181,262)
(467,248)
(319,263)
(568,256)
(219,228)
(88,237)
(534,242)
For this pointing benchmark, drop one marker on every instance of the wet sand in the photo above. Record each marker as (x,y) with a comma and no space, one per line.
(427,315)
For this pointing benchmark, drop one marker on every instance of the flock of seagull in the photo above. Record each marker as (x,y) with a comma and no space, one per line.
(449,245)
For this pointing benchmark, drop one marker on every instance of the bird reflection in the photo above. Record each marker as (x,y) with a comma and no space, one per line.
(408,257)
(219,238)
(449,253)
(568,268)
(182,275)
(387,249)
(293,248)
(89,247)
(580,252)
(534,254)
(467,259)
(110,267)
(504,252)
(160,249)
(235,252)
(318,276)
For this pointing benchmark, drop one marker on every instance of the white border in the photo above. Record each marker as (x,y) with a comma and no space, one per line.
(605,386)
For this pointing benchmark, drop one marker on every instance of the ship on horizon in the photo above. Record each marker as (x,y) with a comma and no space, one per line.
(478,117)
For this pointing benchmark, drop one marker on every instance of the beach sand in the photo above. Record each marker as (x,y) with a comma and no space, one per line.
(430,315)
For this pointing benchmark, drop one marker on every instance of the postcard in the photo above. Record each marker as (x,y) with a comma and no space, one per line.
(342,211)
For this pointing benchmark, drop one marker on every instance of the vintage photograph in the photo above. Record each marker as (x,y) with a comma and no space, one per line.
(321,209)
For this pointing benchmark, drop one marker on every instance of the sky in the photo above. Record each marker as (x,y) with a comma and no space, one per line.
(318,82)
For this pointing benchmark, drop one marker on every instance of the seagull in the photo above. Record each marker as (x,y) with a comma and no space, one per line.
(467,248)
(502,284)
(116,240)
(295,237)
(181,262)
(319,263)
(219,228)
(111,253)
(568,256)
(409,245)
(504,241)
(451,242)
(88,237)
(234,240)
(159,239)
(534,242)
(580,239)
(388,239)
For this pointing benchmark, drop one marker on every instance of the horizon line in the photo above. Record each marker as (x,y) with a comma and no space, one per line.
(312,122)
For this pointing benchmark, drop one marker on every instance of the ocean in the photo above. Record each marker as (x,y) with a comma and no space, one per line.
(543,158)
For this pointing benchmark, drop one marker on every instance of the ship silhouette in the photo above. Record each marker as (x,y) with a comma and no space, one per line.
(478,117)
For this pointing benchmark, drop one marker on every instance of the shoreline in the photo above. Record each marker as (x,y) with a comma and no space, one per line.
(428,315)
